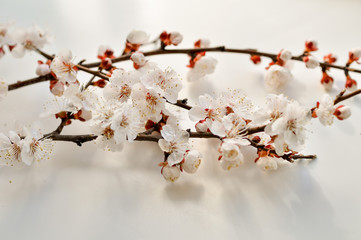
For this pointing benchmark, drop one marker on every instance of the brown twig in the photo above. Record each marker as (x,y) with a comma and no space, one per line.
(24,83)
(86,67)
(95,73)
(80,139)
(219,49)
(341,97)
(181,103)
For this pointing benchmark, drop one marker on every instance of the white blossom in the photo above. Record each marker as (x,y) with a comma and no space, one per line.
(149,103)
(119,87)
(16,151)
(170,173)
(325,110)
(125,123)
(28,39)
(311,62)
(208,107)
(63,67)
(267,163)
(167,83)
(236,101)
(5,37)
(230,127)
(276,78)
(232,156)
(34,148)
(58,105)
(137,37)
(101,126)
(175,143)
(203,67)
(290,128)
(105,139)
(274,108)
(81,99)
(192,160)
(10,149)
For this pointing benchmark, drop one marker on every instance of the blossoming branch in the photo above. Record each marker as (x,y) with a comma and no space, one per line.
(121,106)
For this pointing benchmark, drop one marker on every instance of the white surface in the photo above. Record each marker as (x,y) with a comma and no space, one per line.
(85,193)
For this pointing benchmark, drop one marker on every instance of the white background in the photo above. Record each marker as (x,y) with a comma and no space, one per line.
(86,193)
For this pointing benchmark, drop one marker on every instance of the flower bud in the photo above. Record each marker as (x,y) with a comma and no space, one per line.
(311,62)
(101,83)
(277,77)
(285,55)
(57,87)
(191,161)
(175,38)
(170,174)
(231,156)
(202,126)
(83,115)
(350,84)
(137,37)
(255,59)
(42,69)
(342,112)
(106,63)
(311,46)
(327,81)
(356,52)
(105,51)
(138,58)
(330,58)
(267,163)
(202,43)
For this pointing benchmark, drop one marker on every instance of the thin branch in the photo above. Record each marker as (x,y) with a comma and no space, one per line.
(85,67)
(181,103)
(299,156)
(342,97)
(80,139)
(79,66)
(219,49)
(24,83)
(44,54)
(88,83)
(95,73)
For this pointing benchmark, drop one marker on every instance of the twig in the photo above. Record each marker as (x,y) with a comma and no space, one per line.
(181,103)
(24,83)
(341,97)
(95,73)
(88,83)
(219,49)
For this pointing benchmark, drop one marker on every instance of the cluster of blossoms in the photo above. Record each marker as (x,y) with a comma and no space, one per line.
(21,40)
(133,105)
(278,74)
(24,147)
